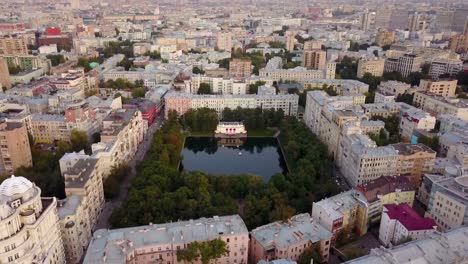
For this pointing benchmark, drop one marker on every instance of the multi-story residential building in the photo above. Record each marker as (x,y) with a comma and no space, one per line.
(182,102)
(314,59)
(382,109)
(412,118)
(29,224)
(342,87)
(131,76)
(400,222)
(439,105)
(386,190)
(122,131)
(5,80)
(290,40)
(414,160)
(385,37)
(149,110)
(313,45)
(444,87)
(382,97)
(450,123)
(362,161)
(224,41)
(81,116)
(47,128)
(27,62)
(13,46)
(160,242)
(78,213)
(240,68)
(289,239)
(405,64)
(394,87)
(448,202)
(297,74)
(343,212)
(15,151)
(445,66)
(374,66)
(218,85)
(459,43)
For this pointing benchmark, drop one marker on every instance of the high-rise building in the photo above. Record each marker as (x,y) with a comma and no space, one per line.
(405,64)
(314,59)
(224,41)
(459,43)
(444,20)
(365,21)
(14,145)
(28,224)
(13,46)
(5,81)
(374,66)
(398,19)
(413,22)
(240,68)
(313,45)
(290,40)
(459,19)
(382,17)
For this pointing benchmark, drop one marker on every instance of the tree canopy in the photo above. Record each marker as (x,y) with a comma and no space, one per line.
(205,251)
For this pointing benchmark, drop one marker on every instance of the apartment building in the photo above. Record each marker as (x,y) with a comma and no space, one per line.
(30,233)
(437,248)
(289,239)
(46,128)
(344,212)
(445,66)
(81,116)
(131,76)
(219,85)
(79,212)
(13,46)
(240,68)
(459,43)
(182,102)
(362,161)
(411,119)
(400,222)
(393,87)
(160,242)
(404,64)
(414,160)
(385,37)
(382,97)
(224,41)
(290,41)
(297,74)
(313,45)
(374,66)
(27,62)
(448,201)
(14,145)
(442,87)
(342,87)
(5,80)
(439,105)
(314,59)
(386,190)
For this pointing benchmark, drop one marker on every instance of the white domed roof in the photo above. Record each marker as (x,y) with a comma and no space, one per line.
(15,185)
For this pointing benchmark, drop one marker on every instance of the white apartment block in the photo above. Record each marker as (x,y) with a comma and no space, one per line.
(131,76)
(289,239)
(219,85)
(393,87)
(374,66)
(160,242)
(29,230)
(182,102)
(340,86)
(439,105)
(412,118)
(445,66)
(381,97)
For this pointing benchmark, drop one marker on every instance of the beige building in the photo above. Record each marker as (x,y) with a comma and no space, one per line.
(313,45)
(374,66)
(443,87)
(289,239)
(79,212)
(240,68)
(29,230)
(438,105)
(13,46)
(414,160)
(385,38)
(314,59)
(5,80)
(224,41)
(47,128)
(159,243)
(393,87)
(459,43)
(290,40)
(14,145)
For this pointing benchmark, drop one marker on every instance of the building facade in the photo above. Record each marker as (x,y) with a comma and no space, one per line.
(239,68)
(374,66)
(14,146)
(314,59)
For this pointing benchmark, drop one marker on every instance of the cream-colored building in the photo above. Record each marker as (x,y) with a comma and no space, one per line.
(240,68)
(313,45)
(411,119)
(159,243)
(13,46)
(393,87)
(297,74)
(374,66)
(459,43)
(314,59)
(414,160)
(47,128)
(224,41)
(5,80)
(289,239)
(29,229)
(218,85)
(442,87)
(439,105)
(385,38)
(14,145)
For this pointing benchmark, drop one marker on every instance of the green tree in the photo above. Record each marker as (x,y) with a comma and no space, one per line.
(197,70)
(205,251)
(79,141)
(204,89)
(312,253)
(56,59)
(138,93)
(253,88)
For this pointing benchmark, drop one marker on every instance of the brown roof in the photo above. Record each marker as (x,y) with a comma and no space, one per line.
(384,185)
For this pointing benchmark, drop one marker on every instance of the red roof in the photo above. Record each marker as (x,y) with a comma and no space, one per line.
(408,217)
(53,31)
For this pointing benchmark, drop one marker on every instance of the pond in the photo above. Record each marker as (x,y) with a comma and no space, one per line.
(256,155)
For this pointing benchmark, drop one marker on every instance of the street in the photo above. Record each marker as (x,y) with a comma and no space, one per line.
(103,220)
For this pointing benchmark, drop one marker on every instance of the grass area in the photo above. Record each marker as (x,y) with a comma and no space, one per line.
(269,132)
